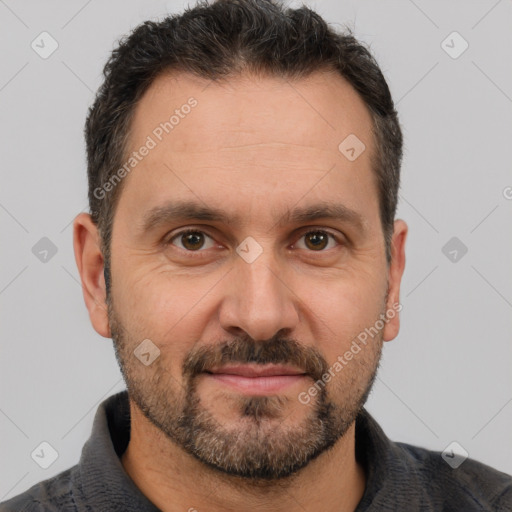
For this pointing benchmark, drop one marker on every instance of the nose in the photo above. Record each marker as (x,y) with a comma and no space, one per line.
(259,301)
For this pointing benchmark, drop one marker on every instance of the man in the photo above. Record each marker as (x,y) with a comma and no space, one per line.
(243,254)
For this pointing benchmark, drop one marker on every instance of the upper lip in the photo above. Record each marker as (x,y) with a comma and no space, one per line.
(246,370)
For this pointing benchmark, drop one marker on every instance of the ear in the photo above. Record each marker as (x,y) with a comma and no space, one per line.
(395,272)
(90,263)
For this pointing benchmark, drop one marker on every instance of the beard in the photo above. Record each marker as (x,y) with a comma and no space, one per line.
(259,444)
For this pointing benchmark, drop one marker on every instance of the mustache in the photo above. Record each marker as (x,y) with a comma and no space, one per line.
(276,350)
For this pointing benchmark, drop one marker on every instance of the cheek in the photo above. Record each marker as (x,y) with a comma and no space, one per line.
(166,308)
(342,309)
(154,295)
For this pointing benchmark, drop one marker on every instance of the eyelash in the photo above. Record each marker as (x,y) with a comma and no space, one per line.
(199,251)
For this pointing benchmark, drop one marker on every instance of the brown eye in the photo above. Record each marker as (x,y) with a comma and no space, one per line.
(192,240)
(316,240)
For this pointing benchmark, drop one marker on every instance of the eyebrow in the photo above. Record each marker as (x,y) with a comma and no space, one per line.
(191,210)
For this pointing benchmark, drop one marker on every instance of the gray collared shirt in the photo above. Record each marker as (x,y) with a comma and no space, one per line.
(400,477)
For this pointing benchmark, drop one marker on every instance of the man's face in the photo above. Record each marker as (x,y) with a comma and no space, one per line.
(251,308)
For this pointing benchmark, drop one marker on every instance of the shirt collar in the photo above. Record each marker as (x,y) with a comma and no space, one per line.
(105,483)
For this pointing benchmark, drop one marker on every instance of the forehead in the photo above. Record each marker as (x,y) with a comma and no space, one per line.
(268,137)
(320,108)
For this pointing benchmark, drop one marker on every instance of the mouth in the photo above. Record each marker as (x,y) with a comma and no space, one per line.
(256,379)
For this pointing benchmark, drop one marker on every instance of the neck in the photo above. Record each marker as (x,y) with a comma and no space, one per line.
(169,478)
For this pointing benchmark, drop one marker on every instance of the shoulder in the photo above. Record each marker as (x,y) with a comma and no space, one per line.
(472,482)
(401,476)
(57,494)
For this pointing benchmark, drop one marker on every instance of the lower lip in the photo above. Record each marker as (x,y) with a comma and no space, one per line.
(256,385)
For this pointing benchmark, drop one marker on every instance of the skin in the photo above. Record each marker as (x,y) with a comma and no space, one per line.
(255,147)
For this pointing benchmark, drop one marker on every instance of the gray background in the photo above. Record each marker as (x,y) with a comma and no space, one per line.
(447,377)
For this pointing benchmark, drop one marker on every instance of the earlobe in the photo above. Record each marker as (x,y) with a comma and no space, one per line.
(90,263)
(395,273)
